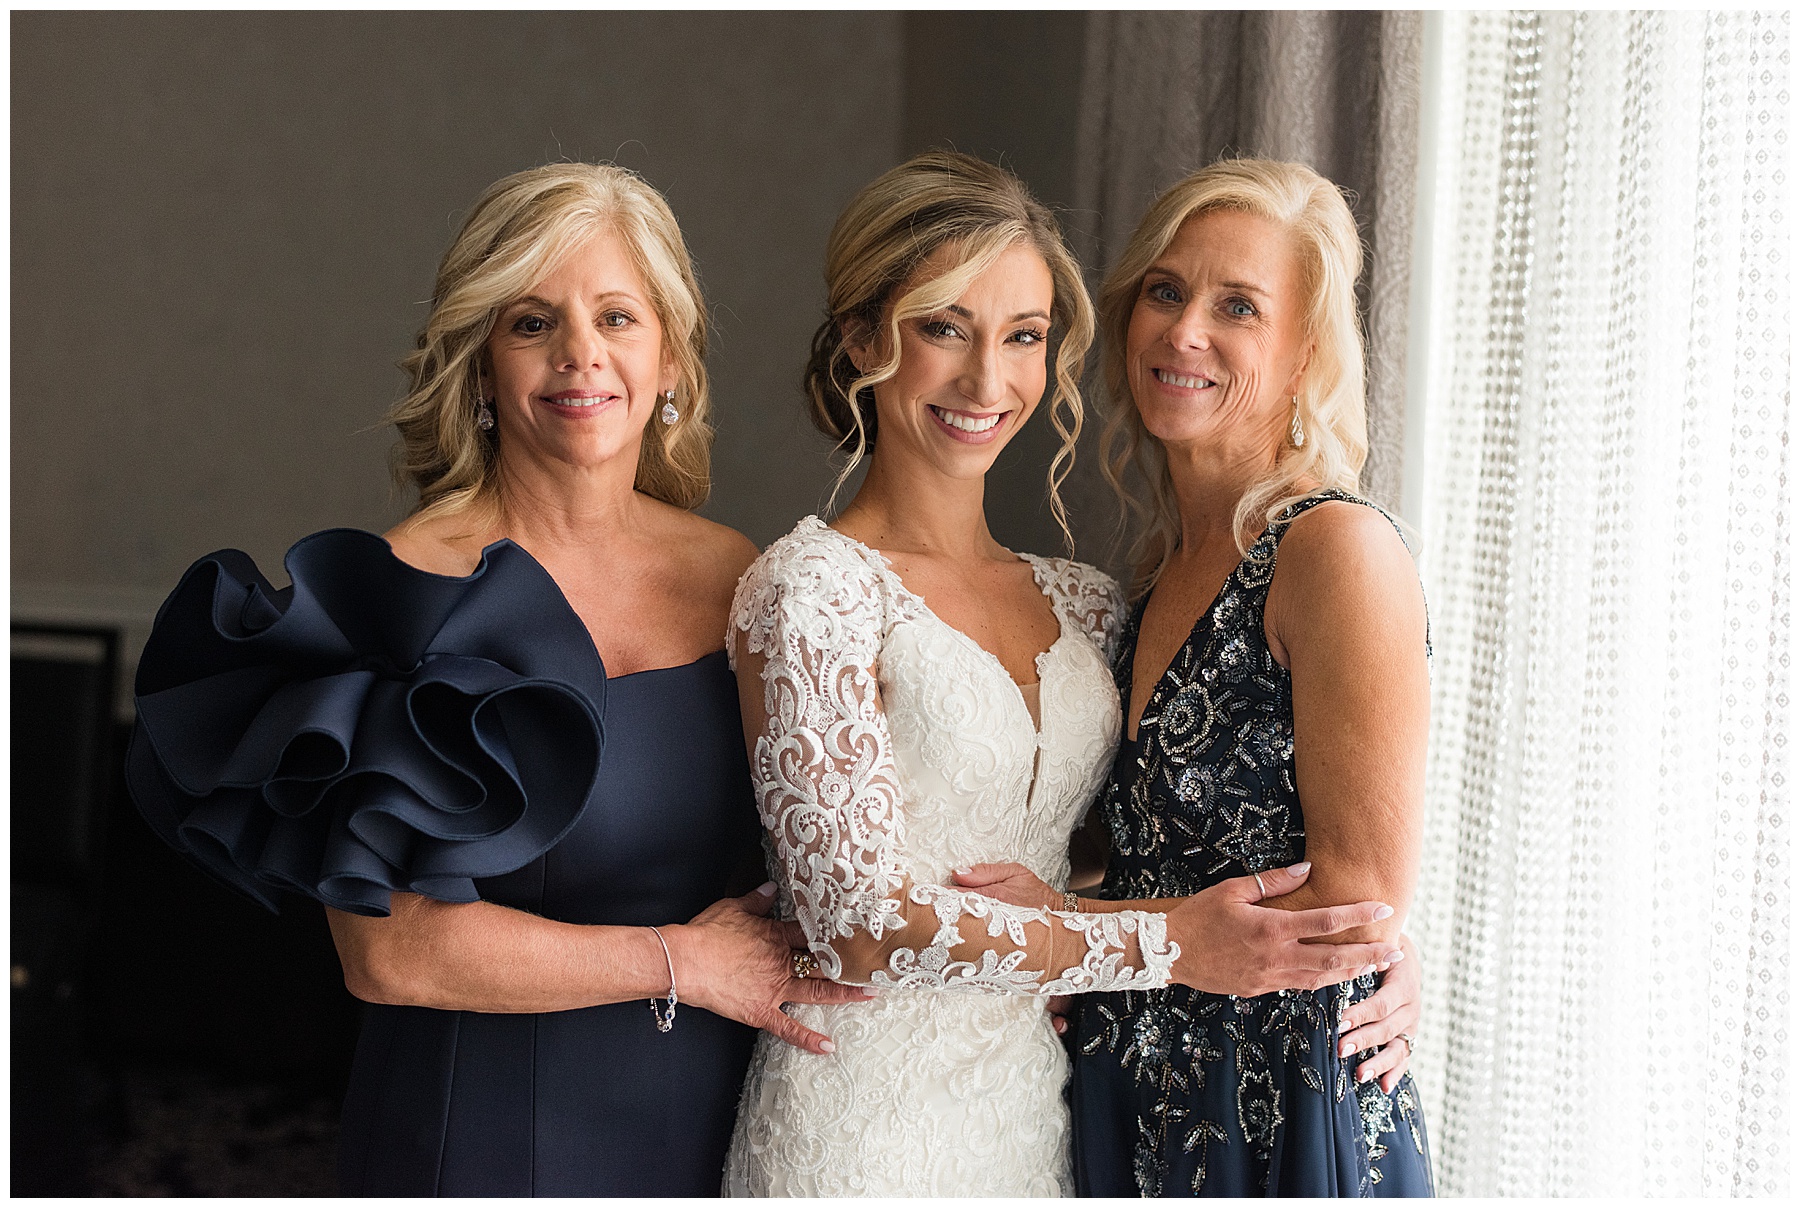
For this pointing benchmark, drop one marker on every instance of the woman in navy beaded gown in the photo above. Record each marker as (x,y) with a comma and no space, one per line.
(1277,694)
(502,746)
(1274,676)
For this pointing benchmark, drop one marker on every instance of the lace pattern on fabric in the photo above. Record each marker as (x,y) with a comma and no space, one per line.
(819,607)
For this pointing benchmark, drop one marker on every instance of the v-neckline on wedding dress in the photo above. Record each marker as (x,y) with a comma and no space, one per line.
(1062,630)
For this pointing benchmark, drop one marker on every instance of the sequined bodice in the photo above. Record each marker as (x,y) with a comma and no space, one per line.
(1208,794)
(1212,796)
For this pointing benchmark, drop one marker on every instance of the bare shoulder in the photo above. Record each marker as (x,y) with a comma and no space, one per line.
(1339,540)
(1346,560)
(441,545)
(712,556)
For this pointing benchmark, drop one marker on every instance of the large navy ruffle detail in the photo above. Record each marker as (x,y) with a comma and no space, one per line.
(373,727)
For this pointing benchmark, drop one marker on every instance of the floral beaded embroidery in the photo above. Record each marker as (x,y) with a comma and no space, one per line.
(1213,798)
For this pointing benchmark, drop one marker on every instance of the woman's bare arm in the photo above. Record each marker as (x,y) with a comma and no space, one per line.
(1346,617)
(479,956)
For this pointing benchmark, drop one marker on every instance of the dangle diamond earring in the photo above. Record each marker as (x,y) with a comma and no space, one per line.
(669,413)
(484,415)
(1295,432)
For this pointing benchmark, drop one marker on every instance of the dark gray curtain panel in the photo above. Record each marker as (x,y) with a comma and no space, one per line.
(1165,93)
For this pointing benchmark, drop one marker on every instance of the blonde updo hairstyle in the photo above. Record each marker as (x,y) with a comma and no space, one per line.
(523,226)
(1330,402)
(941,199)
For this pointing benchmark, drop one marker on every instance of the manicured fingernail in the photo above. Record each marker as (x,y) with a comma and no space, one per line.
(825,1046)
(1395,957)
(1386,912)
(1300,869)
(870,991)
(1346,1048)
(964,871)
(1061,1027)
(1363,1075)
(766,887)
(1344,1025)
(1366,970)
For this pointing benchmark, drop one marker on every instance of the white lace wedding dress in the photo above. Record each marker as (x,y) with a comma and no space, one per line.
(893,749)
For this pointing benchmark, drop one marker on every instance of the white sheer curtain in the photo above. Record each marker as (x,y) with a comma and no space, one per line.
(1608,511)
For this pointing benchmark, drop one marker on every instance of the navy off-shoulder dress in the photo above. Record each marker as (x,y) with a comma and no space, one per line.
(375,728)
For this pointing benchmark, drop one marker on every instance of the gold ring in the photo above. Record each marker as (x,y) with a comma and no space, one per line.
(804,965)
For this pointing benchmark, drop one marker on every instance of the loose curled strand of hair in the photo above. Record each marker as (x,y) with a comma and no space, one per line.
(935,201)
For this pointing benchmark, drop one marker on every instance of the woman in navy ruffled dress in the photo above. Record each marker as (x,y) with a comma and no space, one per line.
(502,746)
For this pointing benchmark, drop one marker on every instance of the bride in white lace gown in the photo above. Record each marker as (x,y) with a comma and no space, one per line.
(895,741)
(876,789)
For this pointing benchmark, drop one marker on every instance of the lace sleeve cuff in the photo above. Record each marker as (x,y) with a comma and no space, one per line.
(1108,941)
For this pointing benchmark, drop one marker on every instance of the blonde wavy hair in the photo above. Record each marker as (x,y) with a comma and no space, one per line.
(518,232)
(1330,402)
(940,199)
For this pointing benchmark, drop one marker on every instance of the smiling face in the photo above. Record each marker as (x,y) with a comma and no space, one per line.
(576,366)
(1216,346)
(970,374)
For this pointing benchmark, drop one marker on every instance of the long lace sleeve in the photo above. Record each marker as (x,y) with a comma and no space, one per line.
(809,620)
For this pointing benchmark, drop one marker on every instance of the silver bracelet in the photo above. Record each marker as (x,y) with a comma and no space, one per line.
(1071,903)
(665,1012)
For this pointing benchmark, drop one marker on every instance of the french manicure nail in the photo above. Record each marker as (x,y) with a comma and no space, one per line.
(1395,957)
(1386,912)
(1346,1048)
(1363,1074)
(825,1046)
(766,887)
(1344,1025)
(1366,970)
(964,871)
(870,991)
(1300,869)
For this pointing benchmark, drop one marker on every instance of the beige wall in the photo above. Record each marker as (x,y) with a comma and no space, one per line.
(224,226)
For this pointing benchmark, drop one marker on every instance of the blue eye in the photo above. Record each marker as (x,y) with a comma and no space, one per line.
(1241,308)
(1162,291)
(1030,336)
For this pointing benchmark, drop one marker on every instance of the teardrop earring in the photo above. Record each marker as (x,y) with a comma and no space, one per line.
(484,415)
(1296,433)
(669,413)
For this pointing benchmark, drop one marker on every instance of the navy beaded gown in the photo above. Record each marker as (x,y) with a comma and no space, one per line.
(1180,1092)
(375,728)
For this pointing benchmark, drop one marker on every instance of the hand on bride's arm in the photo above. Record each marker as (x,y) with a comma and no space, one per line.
(1230,943)
(481,956)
